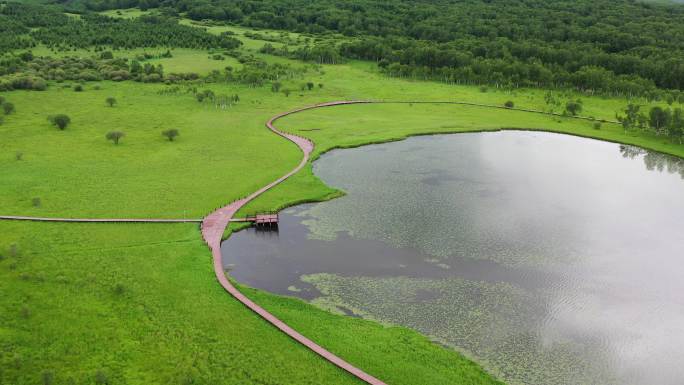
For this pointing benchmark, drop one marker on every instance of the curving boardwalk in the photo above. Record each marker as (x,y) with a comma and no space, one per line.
(215,224)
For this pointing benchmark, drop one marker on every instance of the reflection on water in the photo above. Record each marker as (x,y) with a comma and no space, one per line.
(550,259)
(654,160)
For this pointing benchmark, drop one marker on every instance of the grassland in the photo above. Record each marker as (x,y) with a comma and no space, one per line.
(138,304)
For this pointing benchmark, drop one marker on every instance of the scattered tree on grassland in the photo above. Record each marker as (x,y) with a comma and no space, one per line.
(171,134)
(573,107)
(658,119)
(8,108)
(60,121)
(509,104)
(111,101)
(675,130)
(115,136)
(309,85)
(631,117)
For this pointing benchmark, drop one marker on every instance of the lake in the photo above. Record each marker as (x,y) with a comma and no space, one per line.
(549,259)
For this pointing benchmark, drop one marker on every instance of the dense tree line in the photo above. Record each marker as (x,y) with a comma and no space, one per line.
(321,54)
(27,25)
(612,46)
(24,71)
(27,72)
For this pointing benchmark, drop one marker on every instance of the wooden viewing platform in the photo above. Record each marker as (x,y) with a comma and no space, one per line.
(268,219)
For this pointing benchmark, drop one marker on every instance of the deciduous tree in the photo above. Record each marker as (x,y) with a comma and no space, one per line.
(115,136)
(171,134)
(60,121)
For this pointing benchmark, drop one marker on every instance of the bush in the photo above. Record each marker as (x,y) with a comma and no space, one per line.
(35,202)
(573,107)
(597,125)
(78,88)
(115,136)
(111,101)
(48,377)
(8,108)
(101,378)
(60,121)
(119,289)
(171,134)
(509,104)
(19,155)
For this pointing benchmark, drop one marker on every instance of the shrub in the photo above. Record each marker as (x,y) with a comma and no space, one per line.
(48,377)
(19,155)
(119,289)
(60,121)
(39,84)
(8,108)
(35,202)
(170,134)
(509,104)
(115,136)
(78,88)
(110,101)
(597,125)
(101,378)
(573,107)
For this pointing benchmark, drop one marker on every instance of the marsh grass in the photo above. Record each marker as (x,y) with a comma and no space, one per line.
(139,304)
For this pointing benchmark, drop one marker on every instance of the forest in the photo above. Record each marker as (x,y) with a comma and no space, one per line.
(25,26)
(621,47)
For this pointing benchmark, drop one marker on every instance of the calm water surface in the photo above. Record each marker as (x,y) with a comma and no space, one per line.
(550,259)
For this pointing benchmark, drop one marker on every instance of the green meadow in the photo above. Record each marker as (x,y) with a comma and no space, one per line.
(139,304)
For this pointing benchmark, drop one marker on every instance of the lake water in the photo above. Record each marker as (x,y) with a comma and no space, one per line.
(549,259)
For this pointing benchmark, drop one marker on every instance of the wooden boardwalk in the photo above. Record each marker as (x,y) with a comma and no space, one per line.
(98,220)
(215,224)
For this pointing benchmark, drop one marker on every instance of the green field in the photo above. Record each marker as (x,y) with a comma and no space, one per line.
(138,304)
